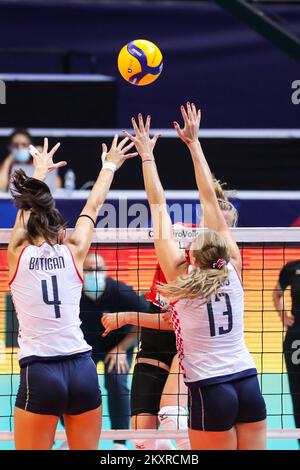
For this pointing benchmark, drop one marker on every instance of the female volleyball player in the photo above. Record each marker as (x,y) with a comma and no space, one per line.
(58,376)
(158,394)
(226,408)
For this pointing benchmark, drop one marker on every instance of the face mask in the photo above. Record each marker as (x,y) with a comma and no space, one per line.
(94,284)
(21,155)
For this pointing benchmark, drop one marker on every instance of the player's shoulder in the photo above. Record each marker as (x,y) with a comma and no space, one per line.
(17,251)
(234,271)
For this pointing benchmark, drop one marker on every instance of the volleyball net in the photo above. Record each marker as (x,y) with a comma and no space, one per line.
(127,259)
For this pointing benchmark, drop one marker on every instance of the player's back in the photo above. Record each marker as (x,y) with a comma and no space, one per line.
(212,334)
(46,290)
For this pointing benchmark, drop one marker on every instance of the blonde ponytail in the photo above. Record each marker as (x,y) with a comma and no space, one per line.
(219,190)
(224,203)
(209,272)
(200,283)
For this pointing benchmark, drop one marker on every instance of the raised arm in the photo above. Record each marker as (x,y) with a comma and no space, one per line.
(170,257)
(80,240)
(43,164)
(213,216)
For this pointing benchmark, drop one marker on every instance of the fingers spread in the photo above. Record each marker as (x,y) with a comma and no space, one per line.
(61,164)
(55,148)
(194,111)
(189,110)
(141,123)
(128,147)
(115,141)
(148,122)
(45,148)
(184,115)
(135,127)
(155,138)
(57,165)
(177,128)
(129,136)
(123,142)
(131,155)
(104,148)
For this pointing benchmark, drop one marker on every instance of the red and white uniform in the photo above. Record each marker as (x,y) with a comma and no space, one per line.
(159,277)
(46,291)
(210,337)
(155,297)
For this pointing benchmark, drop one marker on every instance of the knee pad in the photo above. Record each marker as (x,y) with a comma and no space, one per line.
(144,444)
(173,417)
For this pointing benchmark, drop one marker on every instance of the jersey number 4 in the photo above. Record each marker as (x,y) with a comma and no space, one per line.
(228,313)
(56,302)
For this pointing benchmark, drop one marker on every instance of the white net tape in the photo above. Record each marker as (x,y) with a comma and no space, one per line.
(146,235)
(127,434)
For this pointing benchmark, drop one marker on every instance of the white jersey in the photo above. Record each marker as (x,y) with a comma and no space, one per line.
(210,337)
(46,291)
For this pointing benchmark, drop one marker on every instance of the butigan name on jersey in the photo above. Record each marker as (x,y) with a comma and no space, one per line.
(46,264)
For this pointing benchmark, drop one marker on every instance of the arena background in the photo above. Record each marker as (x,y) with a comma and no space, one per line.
(58,60)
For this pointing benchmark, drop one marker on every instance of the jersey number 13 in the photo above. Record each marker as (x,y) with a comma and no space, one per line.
(228,313)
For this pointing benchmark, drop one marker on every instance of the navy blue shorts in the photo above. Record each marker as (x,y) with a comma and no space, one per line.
(218,407)
(58,387)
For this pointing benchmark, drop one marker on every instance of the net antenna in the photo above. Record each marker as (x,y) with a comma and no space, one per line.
(253,15)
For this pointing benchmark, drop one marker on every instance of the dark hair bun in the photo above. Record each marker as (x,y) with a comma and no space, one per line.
(30,193)
(33,195)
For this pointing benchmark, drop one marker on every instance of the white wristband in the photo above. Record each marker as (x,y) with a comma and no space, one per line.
(109,166)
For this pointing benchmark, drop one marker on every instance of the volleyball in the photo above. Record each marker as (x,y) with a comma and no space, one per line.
(140,62)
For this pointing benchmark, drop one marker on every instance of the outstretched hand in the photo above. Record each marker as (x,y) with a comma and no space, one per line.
(44,160)
(117,154)
(191,119)
(142,141)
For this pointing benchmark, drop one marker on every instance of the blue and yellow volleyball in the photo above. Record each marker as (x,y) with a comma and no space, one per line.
(140,62)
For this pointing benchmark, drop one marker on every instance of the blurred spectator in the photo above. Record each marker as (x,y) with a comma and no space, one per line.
(19,157)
